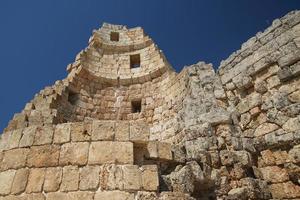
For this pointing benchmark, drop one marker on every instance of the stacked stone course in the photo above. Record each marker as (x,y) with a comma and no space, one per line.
(123,131)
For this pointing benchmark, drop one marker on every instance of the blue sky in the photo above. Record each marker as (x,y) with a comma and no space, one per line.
(39,38)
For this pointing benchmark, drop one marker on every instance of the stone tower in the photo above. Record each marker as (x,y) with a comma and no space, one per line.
(123,125)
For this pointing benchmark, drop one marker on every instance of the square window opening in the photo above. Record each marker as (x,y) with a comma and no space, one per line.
(136,106)
(114,36)
(135,61)
(73,97)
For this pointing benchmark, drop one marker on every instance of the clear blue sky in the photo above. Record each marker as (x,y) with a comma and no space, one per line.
(39,38)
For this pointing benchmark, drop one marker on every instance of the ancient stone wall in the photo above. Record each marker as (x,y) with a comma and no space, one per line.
(122,126)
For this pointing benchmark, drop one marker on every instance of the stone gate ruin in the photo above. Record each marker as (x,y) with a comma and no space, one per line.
(123,125)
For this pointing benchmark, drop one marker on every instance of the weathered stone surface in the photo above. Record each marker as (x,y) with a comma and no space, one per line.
(292,124)
(111,152)
(14,139)
(264,129)
(285,190)
(74,153)
(57,195)
(28,136)
(52,179)
(20,181)
(81,195)
(132,177)
(62,133)
(122,131)
(274,174)
(14,159)
(111,177)
(103,130)
(164,151)
(70,179)
(43,156)
(89,178)
(35,180)
(114,195)
(6,181)
(43,135)
(150,179)
(139,132)
(80,132)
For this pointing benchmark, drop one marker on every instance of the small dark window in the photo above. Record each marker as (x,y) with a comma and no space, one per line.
(114,36)
(136,106)
(73,98)
(135,61)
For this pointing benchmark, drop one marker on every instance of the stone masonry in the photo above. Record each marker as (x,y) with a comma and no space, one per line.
(123,125)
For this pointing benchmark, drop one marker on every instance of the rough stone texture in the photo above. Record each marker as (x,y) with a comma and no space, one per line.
(14,159)
(124,125)
(43,156)
(114,195)
(35,180)
(62,133)
(89,178)
(53,178)
(70,179)
(20,181)
(6,182)
(111,152)
(74,153)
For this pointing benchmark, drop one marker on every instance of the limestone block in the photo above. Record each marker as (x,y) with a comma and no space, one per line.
(4,140)
(295,97)
(132,177)
(34,197)
(52,179)
(150,181)
(14,159)
(139,132)
(103,130)
(74,153)
(292,124)
(285,190)
(122,131)
(80,132)
(6,182)
(43,156)
(146,195)
(249,102)
(294,154)
(62,133)
(152,149)
(238,193)
(107,152)
(35,180)
(14,139)
(70,179)
(57,196)
(114,195)
(28,136)
(174,196)
(164,151)
(43,135)
(111,177)
(20,181)
(216,117)
(80,195)
(89,178)
(274,174)
(260,87)
(265,128)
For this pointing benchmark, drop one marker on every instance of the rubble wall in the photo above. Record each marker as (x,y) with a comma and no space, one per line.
(262,86)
